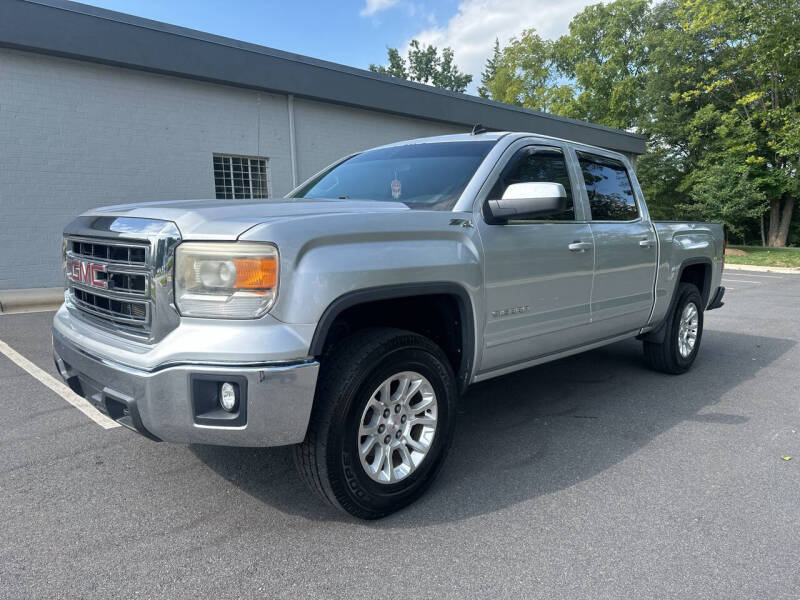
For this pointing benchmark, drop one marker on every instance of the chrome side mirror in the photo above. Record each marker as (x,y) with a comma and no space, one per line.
(529,200)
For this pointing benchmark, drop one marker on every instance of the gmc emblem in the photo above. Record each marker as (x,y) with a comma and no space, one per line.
(85,273)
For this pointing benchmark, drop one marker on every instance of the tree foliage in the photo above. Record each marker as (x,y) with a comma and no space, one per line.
(524,74)
(713,84)
(425,65)
(749,90)
(489,70)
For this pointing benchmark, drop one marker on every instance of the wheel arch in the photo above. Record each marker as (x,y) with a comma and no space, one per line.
(698,270)
(380,294)
(689,272)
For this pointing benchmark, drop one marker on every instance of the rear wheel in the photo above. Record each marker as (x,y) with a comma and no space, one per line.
(676,353)
(382,422)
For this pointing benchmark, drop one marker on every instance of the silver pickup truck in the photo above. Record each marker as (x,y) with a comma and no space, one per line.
(348,317)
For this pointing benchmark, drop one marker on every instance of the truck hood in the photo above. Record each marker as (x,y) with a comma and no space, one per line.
(228,219)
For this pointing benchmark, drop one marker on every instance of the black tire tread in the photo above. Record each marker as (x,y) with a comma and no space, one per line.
(339,369)
(660,356)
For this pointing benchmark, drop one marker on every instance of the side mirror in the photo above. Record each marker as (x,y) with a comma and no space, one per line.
(529,200)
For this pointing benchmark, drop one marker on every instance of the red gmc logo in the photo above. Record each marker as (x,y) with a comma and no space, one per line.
(84,272)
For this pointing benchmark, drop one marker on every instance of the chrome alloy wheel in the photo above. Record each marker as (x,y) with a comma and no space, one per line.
(687,329)
(397,427)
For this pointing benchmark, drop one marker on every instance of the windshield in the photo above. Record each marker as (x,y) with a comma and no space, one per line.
(423,176)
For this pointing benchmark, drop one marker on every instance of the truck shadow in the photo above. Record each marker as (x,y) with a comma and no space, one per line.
(536,431)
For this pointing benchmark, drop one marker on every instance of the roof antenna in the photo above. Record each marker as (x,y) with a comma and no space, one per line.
(478,129)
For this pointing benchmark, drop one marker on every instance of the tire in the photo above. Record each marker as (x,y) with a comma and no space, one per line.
(350,401)
(669,355)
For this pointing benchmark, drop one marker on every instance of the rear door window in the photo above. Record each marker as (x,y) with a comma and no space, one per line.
(609,187)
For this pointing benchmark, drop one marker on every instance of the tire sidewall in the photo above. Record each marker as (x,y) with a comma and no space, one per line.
(688,293)
(344,458)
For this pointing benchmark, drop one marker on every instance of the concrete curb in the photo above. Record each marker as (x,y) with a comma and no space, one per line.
(31,299)
(789,270)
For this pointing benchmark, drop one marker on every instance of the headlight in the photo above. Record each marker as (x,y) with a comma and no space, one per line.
(229,280)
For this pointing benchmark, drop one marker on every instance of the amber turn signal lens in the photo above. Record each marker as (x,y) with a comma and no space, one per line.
(255,273)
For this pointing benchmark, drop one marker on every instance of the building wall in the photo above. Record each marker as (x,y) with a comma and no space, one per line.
(76,135)
(325,132)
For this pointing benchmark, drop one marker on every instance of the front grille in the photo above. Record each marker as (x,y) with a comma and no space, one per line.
(109,282)
(132,283)
(132,255)
(119,311)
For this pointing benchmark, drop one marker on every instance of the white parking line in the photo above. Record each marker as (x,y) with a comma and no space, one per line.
(748,274)
(743,281)
(58,387)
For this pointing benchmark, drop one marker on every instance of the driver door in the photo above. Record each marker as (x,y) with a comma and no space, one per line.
(538,273)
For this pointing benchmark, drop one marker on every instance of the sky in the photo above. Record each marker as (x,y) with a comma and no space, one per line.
(357,32)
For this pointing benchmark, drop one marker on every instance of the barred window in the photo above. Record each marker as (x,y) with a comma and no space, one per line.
(240,177)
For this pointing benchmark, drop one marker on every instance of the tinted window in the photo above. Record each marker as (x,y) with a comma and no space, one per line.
(537,165)
(609,188)
(428,175)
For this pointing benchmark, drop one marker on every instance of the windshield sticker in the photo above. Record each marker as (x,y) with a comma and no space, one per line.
(397,188)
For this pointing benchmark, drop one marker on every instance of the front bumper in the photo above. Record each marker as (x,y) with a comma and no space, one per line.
(161,402)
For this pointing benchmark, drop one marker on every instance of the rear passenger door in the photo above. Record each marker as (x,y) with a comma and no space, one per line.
(625,247)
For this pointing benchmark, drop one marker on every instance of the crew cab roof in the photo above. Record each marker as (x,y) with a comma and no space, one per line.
(498,135)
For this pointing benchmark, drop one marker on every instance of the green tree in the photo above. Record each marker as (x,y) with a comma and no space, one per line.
(425,65)
(713,84)
(596,72)
(752,81)
(689,170)
(524,73)
(489,70)
(725,192)
(605,56)
(396,66)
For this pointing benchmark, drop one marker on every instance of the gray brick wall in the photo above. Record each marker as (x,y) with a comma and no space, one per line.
(76,135)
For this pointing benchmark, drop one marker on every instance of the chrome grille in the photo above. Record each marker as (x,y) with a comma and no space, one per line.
(123,281)
(120,311)
(109,281)
(132,255)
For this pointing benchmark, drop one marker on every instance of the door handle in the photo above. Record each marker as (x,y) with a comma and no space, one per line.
(647,243)
(578,246)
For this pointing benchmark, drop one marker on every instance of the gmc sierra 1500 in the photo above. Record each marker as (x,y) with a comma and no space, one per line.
(347,317)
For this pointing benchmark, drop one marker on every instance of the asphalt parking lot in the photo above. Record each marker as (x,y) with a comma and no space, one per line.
(590,477)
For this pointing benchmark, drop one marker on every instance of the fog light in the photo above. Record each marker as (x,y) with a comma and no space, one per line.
(227,397)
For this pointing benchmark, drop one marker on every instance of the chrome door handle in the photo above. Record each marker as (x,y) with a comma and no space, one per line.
(647,243)
(579,246)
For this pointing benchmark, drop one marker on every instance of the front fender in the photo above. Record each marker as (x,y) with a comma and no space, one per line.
(324,258)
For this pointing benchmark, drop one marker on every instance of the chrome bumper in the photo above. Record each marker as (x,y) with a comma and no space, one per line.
(162,403)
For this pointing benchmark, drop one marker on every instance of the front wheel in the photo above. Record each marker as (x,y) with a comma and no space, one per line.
(382,422)
(684,330)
